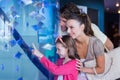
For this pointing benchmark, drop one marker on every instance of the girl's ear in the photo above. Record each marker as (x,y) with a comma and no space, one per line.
(82,27)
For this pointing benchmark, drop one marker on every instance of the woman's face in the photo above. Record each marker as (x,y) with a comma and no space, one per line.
(61,50)
(74,28)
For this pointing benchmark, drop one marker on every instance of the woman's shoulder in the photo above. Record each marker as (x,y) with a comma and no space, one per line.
(96,42)
(95,39)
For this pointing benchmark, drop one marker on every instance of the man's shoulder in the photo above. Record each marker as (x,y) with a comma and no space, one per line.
(93,25)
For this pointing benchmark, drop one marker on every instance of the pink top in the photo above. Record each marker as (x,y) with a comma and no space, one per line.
(68,70)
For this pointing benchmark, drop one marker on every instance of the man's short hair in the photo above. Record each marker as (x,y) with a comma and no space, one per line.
(69,8)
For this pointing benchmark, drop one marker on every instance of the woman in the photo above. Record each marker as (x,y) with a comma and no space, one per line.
(88,46)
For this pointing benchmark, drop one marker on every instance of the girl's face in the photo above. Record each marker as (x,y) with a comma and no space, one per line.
(74,28)
(61,50)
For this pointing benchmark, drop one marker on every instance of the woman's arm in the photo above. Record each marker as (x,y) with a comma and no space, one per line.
(100,66)
(98,54)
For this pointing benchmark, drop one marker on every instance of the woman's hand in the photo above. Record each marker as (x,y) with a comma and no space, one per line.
(81,68)
(36,52)
(79,65)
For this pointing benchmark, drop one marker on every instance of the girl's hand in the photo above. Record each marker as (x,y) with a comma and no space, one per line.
(36,52)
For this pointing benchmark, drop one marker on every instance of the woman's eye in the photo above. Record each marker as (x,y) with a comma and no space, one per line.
(71,27)
(58,49)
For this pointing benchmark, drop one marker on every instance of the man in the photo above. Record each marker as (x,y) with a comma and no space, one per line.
(66,11)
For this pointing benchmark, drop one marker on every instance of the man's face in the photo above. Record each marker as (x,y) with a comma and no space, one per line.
(63,24)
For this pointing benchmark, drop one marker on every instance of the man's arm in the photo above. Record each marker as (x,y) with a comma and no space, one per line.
(100,35)
(108,44)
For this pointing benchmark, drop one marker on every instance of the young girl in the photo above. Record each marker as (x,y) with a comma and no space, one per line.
(65,69)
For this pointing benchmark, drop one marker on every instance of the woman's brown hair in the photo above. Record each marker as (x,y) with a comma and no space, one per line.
(83,18)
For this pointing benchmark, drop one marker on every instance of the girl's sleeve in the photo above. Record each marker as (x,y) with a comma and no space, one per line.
(67,68)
